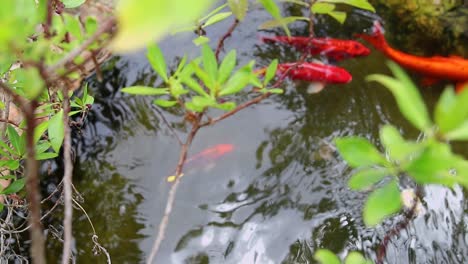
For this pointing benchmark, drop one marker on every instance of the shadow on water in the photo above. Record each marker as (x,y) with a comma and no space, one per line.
(279,196)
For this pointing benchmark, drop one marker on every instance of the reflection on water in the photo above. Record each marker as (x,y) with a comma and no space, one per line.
(279,196)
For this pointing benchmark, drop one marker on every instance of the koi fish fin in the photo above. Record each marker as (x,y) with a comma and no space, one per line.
(461,86)
(315,87)
(376,37)
(428,81)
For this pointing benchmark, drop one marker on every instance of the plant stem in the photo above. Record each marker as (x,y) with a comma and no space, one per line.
(32,187)
(224,37)
(172,192)
(67,181)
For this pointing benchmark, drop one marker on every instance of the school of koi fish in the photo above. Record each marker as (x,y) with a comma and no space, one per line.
(435,68)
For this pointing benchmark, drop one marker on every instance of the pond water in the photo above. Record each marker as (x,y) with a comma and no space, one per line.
(277,197)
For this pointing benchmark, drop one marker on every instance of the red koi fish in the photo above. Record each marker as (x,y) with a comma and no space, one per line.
(318,73)
(437,68)
(336,49)
(313,72)
(212,153)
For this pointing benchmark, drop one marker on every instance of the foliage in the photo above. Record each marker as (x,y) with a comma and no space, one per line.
(325,256)
(428,161)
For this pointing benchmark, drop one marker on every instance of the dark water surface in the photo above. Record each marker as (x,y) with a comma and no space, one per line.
(277,197)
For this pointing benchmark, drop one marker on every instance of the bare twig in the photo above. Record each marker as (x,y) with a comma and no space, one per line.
(67,182)
(9,122)
(224,37)
(106,27)
(14,96)
(32,187)
(173,190)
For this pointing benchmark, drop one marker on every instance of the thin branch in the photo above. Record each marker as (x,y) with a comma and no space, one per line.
(67,181)
(224,37)
(106,26)
(173,190)
(32,187)
(9,122)
(14,96)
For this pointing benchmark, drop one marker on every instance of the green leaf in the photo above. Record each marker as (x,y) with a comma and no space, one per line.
(322,8)
(209,63)
(42,147)
(137,20)
(72,3)
(237,82)
(362,4)
(91,25)
(212,13)
(226,67)
(10,164)
(203,76)
(275,91)
(356,258)
(227,106)
(433,165)
(451,110)
(195,86)
(325,256)
(200,40)
(39,130)
(270,72)
(338,15)
(176,89)
(239,8)
(164,103)
(30,81)
(145,90)
(72,25)
(359,152)
(217,18)
(460,133)
(281,22)
(271,7)
(382,203)
(46,155)
(16,140)
(397,148)
(56,131)
(14,187)
(366,178)
(156,59)
(407,96)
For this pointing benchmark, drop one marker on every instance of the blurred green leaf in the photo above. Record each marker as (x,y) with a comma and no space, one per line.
(56,131)
(91,25)
(451,110)
(227,106)
(226,67)
(209,63)
(203,76)
(275,91)
(30,81)
(200,40)
(217,18)
(407,96)
(72,3)
(72,25)
(176,89)
(156,59)
(322,8)
(137,20)
(281,22)
(164,103)
(356,258)
(382,203)
(366,178)
(325,256)
(359,152)
(10,164)
(460,133)
(195,86)
(362,4)
(397,148)
(40,129)
(433,165)
(270,72)
(14,187)
(46,155)
(145,90)
(239,8)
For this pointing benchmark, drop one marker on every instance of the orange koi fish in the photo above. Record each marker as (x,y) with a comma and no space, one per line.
(337,49)
(212,153)
(437,68)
